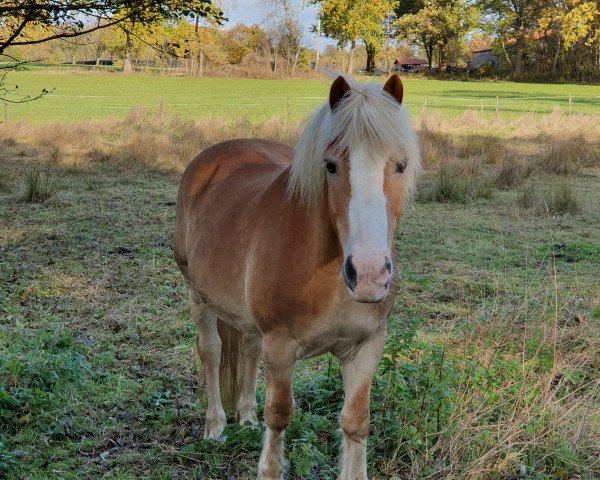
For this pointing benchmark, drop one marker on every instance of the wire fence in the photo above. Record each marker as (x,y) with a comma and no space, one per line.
(263,107)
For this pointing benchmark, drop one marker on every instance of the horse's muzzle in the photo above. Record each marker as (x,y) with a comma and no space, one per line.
(367,277)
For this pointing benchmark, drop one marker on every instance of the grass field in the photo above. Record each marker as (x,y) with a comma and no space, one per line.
(492,364)
(89,96)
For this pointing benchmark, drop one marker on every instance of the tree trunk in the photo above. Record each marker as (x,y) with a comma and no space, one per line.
(429,52)
(127,65)
(506,57)
(200,56)
(519,51)
(318,34)
(296,45)
(351,57)
(443,62)
(556,55)
(371,52)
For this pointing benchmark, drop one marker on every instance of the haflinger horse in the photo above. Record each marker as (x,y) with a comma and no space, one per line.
(290,252)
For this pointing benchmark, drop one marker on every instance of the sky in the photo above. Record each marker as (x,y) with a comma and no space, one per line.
(252,11)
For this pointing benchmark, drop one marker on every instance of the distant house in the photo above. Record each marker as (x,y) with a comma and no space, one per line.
(483,58)
(95,62)
(407,65)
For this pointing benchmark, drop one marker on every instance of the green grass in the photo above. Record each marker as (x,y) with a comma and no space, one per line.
(88,96)
(491,365)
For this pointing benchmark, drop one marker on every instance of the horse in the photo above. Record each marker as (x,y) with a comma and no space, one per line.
(290,252)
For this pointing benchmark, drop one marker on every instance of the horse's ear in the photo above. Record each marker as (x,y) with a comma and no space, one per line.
(339,88)
(394,87)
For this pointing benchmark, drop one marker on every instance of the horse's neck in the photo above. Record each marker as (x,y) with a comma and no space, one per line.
(303,234)
(317,232)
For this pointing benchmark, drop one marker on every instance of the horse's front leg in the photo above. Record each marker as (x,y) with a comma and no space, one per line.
(278,359)
(358,373)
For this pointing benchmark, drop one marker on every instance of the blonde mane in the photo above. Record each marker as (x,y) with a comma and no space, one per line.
(366,115)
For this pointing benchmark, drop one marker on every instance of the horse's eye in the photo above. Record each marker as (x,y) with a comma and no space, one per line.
(400,167)
(330,166)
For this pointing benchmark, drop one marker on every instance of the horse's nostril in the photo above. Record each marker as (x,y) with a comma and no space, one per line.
(388,265)
(350,273)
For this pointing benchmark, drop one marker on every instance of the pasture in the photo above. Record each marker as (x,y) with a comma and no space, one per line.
(492,363)
(87,96)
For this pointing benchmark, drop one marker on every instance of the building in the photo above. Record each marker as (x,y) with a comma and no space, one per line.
(407,65)
(484,58)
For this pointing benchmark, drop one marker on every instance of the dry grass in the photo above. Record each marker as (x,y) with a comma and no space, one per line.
(146,138)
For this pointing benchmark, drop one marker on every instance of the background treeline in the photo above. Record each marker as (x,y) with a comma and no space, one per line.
(543,40)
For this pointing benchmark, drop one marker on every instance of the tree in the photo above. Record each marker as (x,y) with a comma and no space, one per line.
(575,25)
(284,30)
(434,24)
(72,18)
(513,21)
(349,21)
(575,19)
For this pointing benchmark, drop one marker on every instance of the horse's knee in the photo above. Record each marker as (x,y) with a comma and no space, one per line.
(209,348)
(279,413)
(354,419)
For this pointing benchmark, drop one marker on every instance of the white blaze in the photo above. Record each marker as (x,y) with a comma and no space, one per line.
(367,215)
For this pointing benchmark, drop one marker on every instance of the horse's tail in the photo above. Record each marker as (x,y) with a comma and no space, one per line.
(231,365)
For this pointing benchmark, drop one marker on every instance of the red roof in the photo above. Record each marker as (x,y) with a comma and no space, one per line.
(412,61)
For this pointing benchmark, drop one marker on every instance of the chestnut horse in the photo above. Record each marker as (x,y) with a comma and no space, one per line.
(290,252)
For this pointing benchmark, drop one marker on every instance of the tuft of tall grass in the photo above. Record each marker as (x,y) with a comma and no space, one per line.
(568,155)
(489,148)
(436,146)
(509,174)
(456,182)
(554,200)
(38,187)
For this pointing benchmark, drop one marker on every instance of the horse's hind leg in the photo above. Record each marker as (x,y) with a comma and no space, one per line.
(209,351)
(246,407)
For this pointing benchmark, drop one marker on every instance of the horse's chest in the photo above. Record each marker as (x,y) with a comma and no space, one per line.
(342,332)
